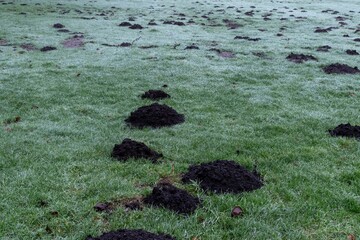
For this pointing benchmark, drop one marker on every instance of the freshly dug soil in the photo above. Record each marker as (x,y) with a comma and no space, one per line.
(168,196)
(223,176)
(340,69)
(132,149)
(352,52)
(345,130)
(300,58)
(74,42)
(155,115)
(155,95)
(58,25)
(127,234)
(136,26)
(47,48)
(323,48)
(125,24)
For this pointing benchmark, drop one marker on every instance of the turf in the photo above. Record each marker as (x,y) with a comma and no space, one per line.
(62,111)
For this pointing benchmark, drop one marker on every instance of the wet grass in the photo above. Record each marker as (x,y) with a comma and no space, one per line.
(62,111)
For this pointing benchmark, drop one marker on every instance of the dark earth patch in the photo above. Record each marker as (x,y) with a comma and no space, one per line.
(324,48)
(125,24)
(248,38)
(155,95)
(58,25)
(170,197)
(191,47)
(127,234)
(133,149)
(63,30)
(47,48)
(345,130)
(352,52)
(28,46)
(300,58)
(223,176)
(222,53)
(340,69)
(136,26)
(74,42)
(154,115)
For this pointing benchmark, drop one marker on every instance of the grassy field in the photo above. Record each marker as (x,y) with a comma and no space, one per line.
(62,111)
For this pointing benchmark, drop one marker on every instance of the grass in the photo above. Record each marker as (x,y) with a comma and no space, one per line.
(72,104)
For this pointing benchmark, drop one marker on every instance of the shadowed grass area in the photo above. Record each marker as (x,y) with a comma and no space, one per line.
(62,111)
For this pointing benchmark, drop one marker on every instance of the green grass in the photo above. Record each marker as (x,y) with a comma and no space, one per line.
(73,102)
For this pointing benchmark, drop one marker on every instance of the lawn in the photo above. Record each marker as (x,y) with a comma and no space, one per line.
(62,112)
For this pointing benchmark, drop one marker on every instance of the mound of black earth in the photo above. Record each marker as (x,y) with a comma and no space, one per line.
(155,95)
(127,234)
(340,69)
(168,196)
(300,58)
(346,130)
(133,149)
(223,176)
(155,116)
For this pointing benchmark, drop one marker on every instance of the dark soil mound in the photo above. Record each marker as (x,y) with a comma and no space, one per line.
(132,149)
(323,48)
(74,42)
(125,44)
(352,52)
(136,26)
(346,130)
(223,176)
(127,234)
(28,46)
(125,24)
(155,95)
(58,25)
(340,69)
(191,47)
(300,58)
(155,115)
(47,48)
(167,196)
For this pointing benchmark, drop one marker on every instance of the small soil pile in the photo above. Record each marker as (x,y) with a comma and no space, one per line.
(74,42)
(340,69)
(346,130)
(325,48)
(58,25)
(28,46)
(155,95)
(125,24)
(132,149)
(167,196)
(155,115)
(223,176)
(127,234)
(136,26)
(300,58)
(224,54)
(47,48)
(352,52)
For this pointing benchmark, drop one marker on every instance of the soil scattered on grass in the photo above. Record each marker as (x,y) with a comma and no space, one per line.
(155,95)
(223,176)
(127,234)
(170,197)
(155,115)
(224,54)
(352,52)
(136,26)
(133,149)
(28,46)
(125,24)
(340,69)
(74,42)
(346,130)
(325,48)
(300,58)
(191,47)
(58,25)
(47,48)
(248,38)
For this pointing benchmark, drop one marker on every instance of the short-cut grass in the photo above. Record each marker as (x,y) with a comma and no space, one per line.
(254,109)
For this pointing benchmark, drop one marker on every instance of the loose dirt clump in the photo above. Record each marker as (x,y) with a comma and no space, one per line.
(155,115)
(136,26)
(224,54)
(125,24)
(324,48)
(346,130)
(47,48)
(58,25)
(352,52)
(133,149)
(300,58)
(28,46)
(192,47)
(74,42)
(340,69)
(223,176)
(127,234)
(155,95)
(170,197)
